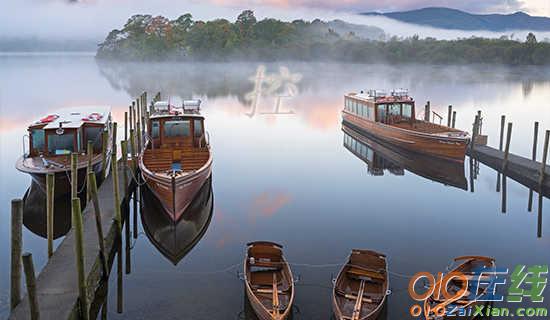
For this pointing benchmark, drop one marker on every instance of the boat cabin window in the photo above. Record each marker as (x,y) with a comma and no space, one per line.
(197,128)
(61,144)
(381,112)
(155,129)
(395,109)
(93,134)
(177,128)
(407,111)
(38,140)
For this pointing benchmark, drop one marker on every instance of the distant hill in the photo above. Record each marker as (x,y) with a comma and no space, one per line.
(447,18)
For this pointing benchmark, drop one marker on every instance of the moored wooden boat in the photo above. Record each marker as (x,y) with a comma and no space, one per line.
(176,160)
(392,118)
(361,287)
(478,275)
(53,138)
(269,284)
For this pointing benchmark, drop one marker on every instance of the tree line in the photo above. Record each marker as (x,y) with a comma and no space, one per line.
(145,37)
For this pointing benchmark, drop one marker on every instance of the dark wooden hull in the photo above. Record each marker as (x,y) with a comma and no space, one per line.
(176,193)
(175,240)
(62,178)
(347,286)
(450,148)
(439,170)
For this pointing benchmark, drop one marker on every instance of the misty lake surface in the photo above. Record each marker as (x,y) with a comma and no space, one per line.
(282,172)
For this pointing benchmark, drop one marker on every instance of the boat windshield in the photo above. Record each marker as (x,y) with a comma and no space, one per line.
(407,111)
(38,140)
(94,134)
(179,128)
(61,144)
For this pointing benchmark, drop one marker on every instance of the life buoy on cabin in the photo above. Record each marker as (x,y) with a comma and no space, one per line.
(93,117)
(49,118)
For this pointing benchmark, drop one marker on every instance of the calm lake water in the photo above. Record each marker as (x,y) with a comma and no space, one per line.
(289,178)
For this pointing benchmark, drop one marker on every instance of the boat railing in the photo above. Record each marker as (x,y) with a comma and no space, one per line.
(206,138)
(26,154)
(434,115)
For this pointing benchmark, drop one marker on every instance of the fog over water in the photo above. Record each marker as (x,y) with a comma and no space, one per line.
(292,177)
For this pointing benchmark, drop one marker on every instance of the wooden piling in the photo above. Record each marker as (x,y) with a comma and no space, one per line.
(427,112)
(534,158)
(90,154)
(474,132)
(98,224)
(132,114)
(507,148)
(124,151)
(139,138)
(79,255)
(104,141)
(544,158)
(134,124)
(16,245)
(453,124)
(501,141)
(30,280)
(133,151)
(480,122)
(449,116)
(74,175)
(125,125)
(50,192)
(504,193)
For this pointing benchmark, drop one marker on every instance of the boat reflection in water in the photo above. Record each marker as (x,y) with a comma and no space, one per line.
(175,239)
(34,212)
(380,157)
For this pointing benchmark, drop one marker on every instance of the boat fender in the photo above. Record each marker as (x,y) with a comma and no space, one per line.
(49,118)
(252,260)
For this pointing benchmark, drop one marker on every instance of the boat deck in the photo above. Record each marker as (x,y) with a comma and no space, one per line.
(161,160)
(425,127)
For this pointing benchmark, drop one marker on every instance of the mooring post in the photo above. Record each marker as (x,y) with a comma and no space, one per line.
(118,221)
(134,121)
(98,223)
(474,132)
(50,192)
(30,280)
(507,149)
(504,192)
(480,122)
(427,112)
(104,141)
(534,158)
(16,245)
(544,158)
(132,115)
(124,151)
(449,116)
(453,124)
(138,132)
(145,98)
(74,175)
(501,141)
(539,216)
(79,255)
(90,154)
(138,107)
(125,125)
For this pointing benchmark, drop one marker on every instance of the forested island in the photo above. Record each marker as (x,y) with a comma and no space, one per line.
(149,38)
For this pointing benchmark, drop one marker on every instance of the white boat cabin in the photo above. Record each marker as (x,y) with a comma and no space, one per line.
(69,130)
(378,106)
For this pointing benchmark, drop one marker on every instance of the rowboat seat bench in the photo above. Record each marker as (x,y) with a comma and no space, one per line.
(358,272)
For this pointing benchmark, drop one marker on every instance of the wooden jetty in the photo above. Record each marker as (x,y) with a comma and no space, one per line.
(57,287)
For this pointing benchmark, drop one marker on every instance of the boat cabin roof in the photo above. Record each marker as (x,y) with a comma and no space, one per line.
(75,117)
(377,96)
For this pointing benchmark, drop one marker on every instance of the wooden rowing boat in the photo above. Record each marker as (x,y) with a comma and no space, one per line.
(380,156)
(176,239)
(478,276)
(176,160)
(53,138)
(392,118)
(268,281)
(361,287)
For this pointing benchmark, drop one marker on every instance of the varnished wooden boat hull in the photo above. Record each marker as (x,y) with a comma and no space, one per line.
(62,178)
(438,146)
(368,312)
(175,240)
(439,170)
(175,194)
(286,279)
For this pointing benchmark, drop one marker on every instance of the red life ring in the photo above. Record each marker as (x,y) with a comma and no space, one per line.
(50,118)
(93,117)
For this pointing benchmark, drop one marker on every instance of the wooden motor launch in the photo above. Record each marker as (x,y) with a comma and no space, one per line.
(392,118)
(176,160)
(269,283)
(53,138)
